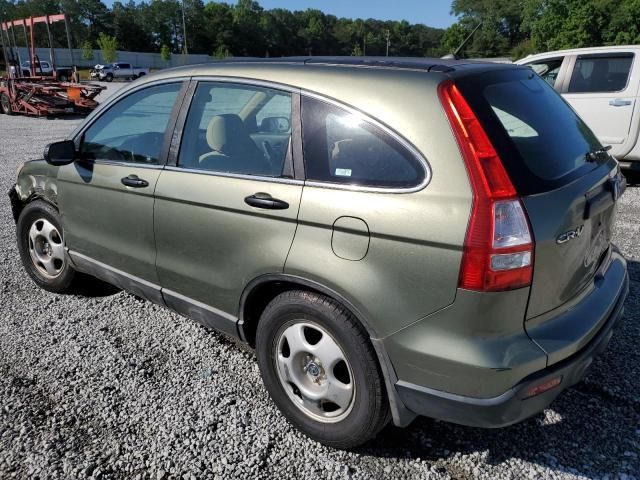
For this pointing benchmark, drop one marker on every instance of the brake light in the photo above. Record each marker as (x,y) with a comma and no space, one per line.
(498,247)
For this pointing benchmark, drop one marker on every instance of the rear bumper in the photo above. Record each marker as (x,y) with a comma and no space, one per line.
(513,405)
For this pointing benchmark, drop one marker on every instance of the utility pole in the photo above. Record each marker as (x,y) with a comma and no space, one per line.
(184,32)
(388,37)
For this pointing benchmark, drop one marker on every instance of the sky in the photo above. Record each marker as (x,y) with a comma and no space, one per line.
(434,13)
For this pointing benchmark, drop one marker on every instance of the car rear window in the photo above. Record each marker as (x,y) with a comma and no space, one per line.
(540,139)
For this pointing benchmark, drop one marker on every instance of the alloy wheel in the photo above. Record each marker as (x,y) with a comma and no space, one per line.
(46,248)
(314,371)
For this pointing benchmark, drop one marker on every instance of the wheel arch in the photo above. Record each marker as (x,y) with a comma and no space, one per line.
(260,291)
(18,205)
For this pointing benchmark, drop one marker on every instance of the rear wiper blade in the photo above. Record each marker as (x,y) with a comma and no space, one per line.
(592,156)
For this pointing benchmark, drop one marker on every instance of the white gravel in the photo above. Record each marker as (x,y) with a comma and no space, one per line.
(114,387)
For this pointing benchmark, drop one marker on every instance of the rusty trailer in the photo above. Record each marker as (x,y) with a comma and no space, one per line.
(35,94)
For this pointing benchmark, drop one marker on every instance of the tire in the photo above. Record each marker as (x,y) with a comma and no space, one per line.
(142,74)
(5,104)
(41,246)
(109,77)
(63,78)
(300,328)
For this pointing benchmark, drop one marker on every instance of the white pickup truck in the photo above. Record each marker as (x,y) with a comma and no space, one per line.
(602,84)
(117,70)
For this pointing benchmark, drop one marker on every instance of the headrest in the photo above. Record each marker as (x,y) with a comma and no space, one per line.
(225,132)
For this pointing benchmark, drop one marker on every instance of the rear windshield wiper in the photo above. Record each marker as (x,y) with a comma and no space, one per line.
(593,155)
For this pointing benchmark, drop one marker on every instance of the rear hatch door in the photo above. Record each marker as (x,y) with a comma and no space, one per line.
(568,183)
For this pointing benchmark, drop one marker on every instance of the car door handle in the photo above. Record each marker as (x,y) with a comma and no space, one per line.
(264,200)
(134,181)
(618,102)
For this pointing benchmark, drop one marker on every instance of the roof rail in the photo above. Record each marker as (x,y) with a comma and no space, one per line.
(411,63)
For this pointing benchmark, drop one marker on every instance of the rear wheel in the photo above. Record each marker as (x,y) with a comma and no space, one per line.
(42,249)
(321,370)
(5,104)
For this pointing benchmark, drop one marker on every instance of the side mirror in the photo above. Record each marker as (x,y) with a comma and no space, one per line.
(60,153)
(275,125)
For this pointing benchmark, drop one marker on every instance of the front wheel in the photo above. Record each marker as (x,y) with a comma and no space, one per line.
(42,248)
(109,77)
(5,104)
(321,370)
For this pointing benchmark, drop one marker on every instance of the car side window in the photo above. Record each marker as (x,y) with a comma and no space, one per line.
(601,73)
(238,129)
(133,129)
(548,69)
(344,148)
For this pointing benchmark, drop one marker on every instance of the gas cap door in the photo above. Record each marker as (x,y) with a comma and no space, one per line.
(350,238)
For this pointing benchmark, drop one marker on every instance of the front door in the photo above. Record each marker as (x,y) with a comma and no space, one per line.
(226,212)
(106,197)
(601,91)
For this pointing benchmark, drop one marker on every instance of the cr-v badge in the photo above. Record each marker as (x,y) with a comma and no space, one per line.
(570,235)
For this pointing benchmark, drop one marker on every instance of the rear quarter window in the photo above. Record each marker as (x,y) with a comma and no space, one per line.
(343,147)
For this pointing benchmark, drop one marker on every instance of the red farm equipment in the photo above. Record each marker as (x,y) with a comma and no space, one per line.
(36,93)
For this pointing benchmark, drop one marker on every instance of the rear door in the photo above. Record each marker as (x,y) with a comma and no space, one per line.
(603,89)
(569,193)
(226,211)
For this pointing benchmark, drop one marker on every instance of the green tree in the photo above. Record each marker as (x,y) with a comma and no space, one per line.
(221,52)
(87,50)
(165,53)
(108,46)
(218,18)
(248,36)
(558,24)
(129,27)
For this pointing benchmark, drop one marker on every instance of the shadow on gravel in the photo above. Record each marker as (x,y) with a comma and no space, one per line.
(591,429)
(87,286)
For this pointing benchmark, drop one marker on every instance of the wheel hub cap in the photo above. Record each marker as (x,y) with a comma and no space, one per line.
(46,248)
(314,371)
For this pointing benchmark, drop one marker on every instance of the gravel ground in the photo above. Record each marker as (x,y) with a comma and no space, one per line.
(108,386)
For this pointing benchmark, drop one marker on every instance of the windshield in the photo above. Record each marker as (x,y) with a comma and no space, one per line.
(543,141)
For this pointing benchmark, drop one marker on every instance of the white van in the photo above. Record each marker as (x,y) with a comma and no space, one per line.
(601,84)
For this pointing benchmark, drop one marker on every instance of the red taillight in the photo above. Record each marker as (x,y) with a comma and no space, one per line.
(498,248)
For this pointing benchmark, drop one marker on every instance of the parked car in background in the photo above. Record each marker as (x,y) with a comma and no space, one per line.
(444,250)
(45,69)
(602,84)
(117,70)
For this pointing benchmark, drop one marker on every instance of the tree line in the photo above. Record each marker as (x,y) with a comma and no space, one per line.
(221,29)
(512,28)
(516,28)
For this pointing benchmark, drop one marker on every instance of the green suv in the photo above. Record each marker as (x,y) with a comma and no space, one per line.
(393,237)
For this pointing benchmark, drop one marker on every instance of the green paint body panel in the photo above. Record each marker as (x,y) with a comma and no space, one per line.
(350,239)
(475,347)
(394,256)
(211,244)
(105,220)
